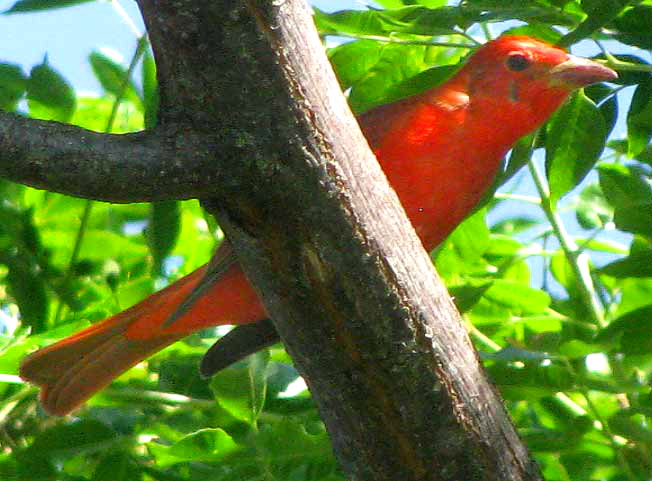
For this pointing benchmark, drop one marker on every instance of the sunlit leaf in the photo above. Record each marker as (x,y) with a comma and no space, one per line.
(634,330)
(625,424)
(637,264)
(113,78)
(49,95)
(12,85)
(632,26)
(575,139)
(150,91)
(24,6)
(163,230)
(629,191)
(204,445)
(639,119)
(593,211)
(411,19)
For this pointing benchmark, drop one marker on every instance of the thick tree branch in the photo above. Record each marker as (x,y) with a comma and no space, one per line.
(170,162)
(323,237)
(318,230)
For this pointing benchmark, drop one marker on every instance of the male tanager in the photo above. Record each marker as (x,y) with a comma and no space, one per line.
(440,150)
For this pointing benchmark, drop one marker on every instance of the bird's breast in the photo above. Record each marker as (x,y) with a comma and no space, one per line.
(440,182)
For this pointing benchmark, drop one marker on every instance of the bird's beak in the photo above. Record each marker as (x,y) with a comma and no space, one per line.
(579,72)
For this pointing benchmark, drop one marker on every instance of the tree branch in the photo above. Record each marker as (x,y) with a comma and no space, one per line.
(170,162)
(352,293)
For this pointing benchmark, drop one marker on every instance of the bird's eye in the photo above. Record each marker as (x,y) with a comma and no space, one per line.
(517,62)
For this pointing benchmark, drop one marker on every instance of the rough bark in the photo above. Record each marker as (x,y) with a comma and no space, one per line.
(323,238)
(171,162)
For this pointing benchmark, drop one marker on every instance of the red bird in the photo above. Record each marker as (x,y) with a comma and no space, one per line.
(440,150)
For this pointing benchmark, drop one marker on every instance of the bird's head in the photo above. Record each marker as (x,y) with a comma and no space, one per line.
(525,79)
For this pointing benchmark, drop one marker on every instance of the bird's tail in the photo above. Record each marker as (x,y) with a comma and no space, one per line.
(72,370)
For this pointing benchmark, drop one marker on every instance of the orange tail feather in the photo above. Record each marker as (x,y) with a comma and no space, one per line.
(74,369)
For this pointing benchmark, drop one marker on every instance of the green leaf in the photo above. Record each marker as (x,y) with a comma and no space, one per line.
(518,157)
(466,296)
(633,26)
(599,13)
(465,246)
(603,96)
(518,298)
(150,91)
(353,60)
(625,424)
(239,394)
(64,440)
(623,186)
(179,374)
(412,19)
(593,211)
(27,288)
(163,230)
(421,82)
(206,445)
(32,467)
(257,366)
(629,190)
(636,293)
(92,113)
(637,221)
(539,31)
(514,225)
(12,86)
(23,6)
(575,348)
(113,78)
(550,440)
(501,245)
(471,238)
(637,264)
(639,119)
(22,253)
(531,11)
(402,3)
(611,247)
(620,146)
(391,3)
(113,467)
(49,95)
(563,272)
(634,329)
(575,139)
(378,78)
(531,381)
(299,447)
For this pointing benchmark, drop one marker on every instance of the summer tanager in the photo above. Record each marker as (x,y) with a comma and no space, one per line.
(440,150)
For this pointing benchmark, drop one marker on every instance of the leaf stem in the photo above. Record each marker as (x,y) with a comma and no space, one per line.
(486,31)
(617,64)
(578,261)
(427,43)
(530,199)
